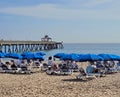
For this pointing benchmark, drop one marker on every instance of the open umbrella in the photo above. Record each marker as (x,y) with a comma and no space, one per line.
(13,55)
(74,57)
(2,54)
(41,53)
(59,55)
(108,57)
(26,53)
(115,57)
(32,56)
(90,57)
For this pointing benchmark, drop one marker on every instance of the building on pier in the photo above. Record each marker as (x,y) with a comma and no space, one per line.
(46,38)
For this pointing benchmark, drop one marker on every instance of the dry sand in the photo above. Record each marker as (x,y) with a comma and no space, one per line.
(42,85)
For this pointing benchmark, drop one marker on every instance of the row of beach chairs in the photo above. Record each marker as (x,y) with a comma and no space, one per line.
(15,71)
(83,74)
(62,69)
(103,70)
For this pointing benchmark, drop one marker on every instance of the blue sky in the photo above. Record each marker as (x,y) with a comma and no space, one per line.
(70,21)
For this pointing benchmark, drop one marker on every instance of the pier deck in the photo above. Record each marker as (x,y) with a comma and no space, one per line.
(25,46)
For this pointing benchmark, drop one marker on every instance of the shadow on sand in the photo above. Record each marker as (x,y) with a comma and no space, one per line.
(76,80)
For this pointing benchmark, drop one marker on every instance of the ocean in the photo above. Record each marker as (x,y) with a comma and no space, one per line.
(85,48)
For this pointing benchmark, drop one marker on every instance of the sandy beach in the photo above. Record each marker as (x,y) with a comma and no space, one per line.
(42,85)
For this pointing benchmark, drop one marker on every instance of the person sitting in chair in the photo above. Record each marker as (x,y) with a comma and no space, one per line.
(74,65)
(23,66)
(4,66)
(13,66)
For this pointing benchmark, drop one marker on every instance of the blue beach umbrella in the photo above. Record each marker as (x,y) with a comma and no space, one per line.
(74,57)
(26,53)
(41,53)
(2,54)
(115,57)
(90,57)
(32,56)
(59,55)
(13,55)
(108,57)
(35,56)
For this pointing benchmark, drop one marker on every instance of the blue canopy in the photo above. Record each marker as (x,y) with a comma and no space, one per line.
(74,57)
(32,56)
(115,57)
(108,57)
(2,54)
(26,53)
(59,55)
(14,55)
(41,53)
(90,57)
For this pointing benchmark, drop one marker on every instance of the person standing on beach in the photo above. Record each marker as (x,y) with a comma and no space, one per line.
(50,61)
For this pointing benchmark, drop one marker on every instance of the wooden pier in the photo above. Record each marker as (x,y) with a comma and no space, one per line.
(26,46)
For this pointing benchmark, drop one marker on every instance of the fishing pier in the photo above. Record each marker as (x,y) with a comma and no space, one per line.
(25,46)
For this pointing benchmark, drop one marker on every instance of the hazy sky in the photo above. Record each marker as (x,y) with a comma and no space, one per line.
(76,21)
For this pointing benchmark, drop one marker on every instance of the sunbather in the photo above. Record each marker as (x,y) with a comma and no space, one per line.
(13,65)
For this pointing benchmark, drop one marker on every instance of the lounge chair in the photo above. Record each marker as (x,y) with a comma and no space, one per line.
(44,67)
(4,68)
(75,69)
(118,67)
(61,71)
(83,75)
(23,70)
(90,70)
(110,69)
(65,70)
(16,70)
(36,65)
